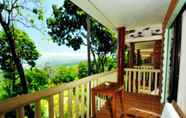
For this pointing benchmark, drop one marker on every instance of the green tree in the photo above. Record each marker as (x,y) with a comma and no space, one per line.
(82,70)
(37,79)
(70,26)
(11,13)
(26,50)
(64,74)
(27,53)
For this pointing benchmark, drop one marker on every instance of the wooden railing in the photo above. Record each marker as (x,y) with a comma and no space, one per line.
(145,81)
(75,94)
(144,67)
(73,99)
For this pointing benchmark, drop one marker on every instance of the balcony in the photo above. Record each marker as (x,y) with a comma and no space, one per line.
(142,87)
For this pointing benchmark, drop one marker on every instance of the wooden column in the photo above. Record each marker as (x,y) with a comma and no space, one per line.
(138,57)
(157,54)
(131,55)
(120,58)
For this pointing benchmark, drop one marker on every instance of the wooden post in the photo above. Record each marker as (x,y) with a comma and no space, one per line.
(138,57)
(120,58)
(157,54)
(131,55)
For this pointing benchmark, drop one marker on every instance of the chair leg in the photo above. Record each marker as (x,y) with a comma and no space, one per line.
(122,100)
(110,106)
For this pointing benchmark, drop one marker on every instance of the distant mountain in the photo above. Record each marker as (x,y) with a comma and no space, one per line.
(57,62)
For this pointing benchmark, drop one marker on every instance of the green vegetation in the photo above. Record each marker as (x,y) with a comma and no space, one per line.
(68,26)
(71,26)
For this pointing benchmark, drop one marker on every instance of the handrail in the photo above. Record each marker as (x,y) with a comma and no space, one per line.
(22,100)
(135,81)
(144,70)
(145,81)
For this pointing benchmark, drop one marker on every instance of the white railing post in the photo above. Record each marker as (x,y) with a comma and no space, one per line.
(38,109)
(70,103)
(88,99)
(51,107)
(83,101)
(77,102)
(61,104)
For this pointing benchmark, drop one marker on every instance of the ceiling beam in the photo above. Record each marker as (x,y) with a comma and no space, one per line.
(169,13)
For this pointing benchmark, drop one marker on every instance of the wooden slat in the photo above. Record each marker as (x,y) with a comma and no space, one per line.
(142,70)
(99,103)
(20,112)
(51,107)
(130,72)
(82,100)
(77,102)
(38,109)
(139,81)
(156,80)
(134,81)
(88,96)
(70,103)
(144,79)
(126,80)
(150,81)
(61,104)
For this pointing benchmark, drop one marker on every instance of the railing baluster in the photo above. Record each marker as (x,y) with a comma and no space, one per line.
(88,99)
(61,104)
(134,81)
(126,80)
(150,81)
(83,101)
(38,109)
(156,80)
(139,81)
(77,102)
(130,72)
(51,107)
(144,79)
(70,103)
(20,112)
(99,102)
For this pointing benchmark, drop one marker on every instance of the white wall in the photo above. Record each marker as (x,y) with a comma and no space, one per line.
(182,75)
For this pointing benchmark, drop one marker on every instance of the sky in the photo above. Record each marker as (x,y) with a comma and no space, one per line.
(50,52)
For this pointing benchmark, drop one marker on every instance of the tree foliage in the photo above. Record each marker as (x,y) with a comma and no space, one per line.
(13,12)
(64,74)
(82,70)
(68,26)
(26,51)
(37,79)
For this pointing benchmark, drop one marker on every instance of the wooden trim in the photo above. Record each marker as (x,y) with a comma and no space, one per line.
(120,57)
(178,110)
(170,10)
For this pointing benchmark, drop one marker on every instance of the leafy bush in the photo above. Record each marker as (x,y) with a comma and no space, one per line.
(82,70)
(37,79)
